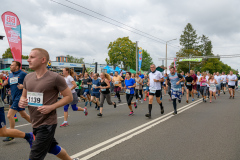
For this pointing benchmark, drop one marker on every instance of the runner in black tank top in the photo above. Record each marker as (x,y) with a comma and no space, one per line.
(105,92)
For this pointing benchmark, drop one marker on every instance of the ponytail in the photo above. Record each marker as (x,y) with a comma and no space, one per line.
(70,72)
(107,76)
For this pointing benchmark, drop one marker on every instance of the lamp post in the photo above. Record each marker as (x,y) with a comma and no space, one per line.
(166,53)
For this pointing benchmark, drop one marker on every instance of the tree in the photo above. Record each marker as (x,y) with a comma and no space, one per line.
(122,51)
(189,38)
(72,59)
(206,46)
(146,60)
(8,54)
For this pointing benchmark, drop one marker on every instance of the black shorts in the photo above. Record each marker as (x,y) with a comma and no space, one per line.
(189,88)
(44,141)
(233,87)
(157,93)
(223,85)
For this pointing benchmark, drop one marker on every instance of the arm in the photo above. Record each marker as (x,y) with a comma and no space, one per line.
(5,83)
(74,85)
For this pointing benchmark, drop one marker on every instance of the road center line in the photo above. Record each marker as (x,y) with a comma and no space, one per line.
(129,132)
(134,134)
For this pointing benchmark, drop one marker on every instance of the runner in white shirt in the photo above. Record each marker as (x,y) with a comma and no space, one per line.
(154,82)
(224,81)
(198,83)
(207,77)
(218,86)
(232,78)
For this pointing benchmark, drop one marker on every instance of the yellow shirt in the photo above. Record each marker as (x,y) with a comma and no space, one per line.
(117,81)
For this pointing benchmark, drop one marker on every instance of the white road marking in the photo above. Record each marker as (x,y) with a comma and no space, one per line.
(130,132)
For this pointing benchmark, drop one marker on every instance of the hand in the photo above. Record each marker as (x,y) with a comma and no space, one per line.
(23,103)
(177,83)
(45,109)
(148,84)
(155,80)
(130,87)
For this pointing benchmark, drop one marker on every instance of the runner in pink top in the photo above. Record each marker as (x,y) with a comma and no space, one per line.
(203,86)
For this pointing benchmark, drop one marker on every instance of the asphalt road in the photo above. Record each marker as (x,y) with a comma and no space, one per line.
(201,131)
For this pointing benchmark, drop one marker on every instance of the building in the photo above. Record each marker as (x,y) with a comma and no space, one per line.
(61,59)
(56,66)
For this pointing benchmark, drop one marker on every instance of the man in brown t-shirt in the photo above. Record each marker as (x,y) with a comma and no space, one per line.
(40,94)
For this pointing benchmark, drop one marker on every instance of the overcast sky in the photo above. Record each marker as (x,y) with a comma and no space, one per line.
(63,31)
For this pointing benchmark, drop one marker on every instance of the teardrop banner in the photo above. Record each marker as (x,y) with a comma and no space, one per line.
(12,28)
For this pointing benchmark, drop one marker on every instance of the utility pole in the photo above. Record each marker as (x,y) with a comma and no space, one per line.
(166,53)
(136,56)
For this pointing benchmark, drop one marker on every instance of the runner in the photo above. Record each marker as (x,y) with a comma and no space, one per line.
(212,89)
(194,84)
(207,77)
(203,86)
(218,85)
(86,82)
(129,86)
(138,88)
(117,81)
(145,87)
(189,82)
(154,82)
(15,81)
(176,92)
(68,76)
(42,101)
(105,93)
(141,75)
(164,84)
(198,83)
(231,84)
(183,84)
(224,81)
(96,90)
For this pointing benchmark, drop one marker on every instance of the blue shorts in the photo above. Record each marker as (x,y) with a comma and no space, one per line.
(176,94)
(15,107)
(218,87)
(147,88)
(86,90)
(97,95)
(74,107)
(2,117)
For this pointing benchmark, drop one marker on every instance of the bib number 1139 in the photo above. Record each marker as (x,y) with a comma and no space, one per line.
(35,99)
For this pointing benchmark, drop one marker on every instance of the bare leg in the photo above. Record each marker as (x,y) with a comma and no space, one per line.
(63,155)
(25,116)
(4,132)
(10,117)
(65,116)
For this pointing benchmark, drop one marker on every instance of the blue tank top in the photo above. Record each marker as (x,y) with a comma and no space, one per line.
(174,79)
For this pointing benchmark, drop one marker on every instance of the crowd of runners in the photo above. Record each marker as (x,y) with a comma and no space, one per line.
(43,91)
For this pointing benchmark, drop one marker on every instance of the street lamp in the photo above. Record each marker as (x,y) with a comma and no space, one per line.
(166,52)
(1,37)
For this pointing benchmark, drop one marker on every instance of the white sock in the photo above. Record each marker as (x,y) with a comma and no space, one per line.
(65,122)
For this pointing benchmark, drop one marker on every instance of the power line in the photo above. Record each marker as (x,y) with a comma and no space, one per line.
(108,22)
(113,20)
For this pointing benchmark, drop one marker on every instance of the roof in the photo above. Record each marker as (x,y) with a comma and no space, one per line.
(61,56)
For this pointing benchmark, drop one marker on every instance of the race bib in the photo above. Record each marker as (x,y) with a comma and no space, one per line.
(204,84)
(137,84)
(94,86)
(144,87)
(13,80)
(35,99)
(116,82)
(212,85)
(127,91)
(153,91)
(189,83)
(224,82)
(85,86)
(182,83)
(104,89)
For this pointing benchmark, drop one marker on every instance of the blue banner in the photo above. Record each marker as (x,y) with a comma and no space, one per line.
(140,59)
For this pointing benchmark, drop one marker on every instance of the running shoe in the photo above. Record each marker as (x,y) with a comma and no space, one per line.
(179,101)
(119,101)
(148,115)
(31,139)
(115,104)
(86,103)
(8,139)
(193,99)
(162,110)
(135,104)
(99,114)
(210,101)
(233,97)
(223,92)
(218,95)
(98,108)
(145,99)
(64,124)
(205,100)
(174,113)
(136,101)
(183,93)
(230,97)
(85,111)
(141,100)
(131,113)
(187,101)
(90,104)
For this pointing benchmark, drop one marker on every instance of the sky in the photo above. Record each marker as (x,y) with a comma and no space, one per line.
(61,30)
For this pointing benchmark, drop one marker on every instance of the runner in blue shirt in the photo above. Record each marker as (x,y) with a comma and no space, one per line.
(95,95)
(15,81)
(129,86)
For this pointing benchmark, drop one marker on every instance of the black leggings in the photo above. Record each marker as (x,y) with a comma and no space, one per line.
(140,93)
(129,98)
(118,94)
